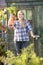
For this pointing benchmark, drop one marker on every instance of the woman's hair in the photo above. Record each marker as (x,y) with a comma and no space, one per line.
(20,11)
(22,23)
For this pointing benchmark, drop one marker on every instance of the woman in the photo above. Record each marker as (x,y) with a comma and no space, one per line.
(21,30)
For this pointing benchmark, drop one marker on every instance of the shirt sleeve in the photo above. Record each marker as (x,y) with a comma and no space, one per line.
(29,26)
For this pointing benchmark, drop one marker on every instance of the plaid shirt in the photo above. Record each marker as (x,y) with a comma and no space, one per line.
(20,33)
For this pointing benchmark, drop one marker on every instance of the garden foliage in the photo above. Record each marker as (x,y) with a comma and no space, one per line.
(27,57)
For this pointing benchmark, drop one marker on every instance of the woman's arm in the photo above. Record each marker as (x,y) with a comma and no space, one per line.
(34,36)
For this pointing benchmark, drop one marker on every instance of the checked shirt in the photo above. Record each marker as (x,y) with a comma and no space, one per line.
(21,33)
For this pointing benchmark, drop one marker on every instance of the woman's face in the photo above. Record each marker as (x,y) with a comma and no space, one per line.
(20,15)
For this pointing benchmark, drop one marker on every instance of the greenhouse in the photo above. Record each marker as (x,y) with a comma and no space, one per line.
(33,12)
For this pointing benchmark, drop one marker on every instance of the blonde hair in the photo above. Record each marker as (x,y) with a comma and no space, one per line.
(22,23)
(20,11)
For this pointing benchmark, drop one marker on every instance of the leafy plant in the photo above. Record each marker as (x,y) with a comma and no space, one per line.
(4,13)
(27,57)
(2,46)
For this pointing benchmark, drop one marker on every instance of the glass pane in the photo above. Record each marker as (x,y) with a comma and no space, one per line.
(29,14)
(24,14)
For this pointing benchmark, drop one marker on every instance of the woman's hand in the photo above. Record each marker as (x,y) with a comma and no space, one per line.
(34,36)
(37,36)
